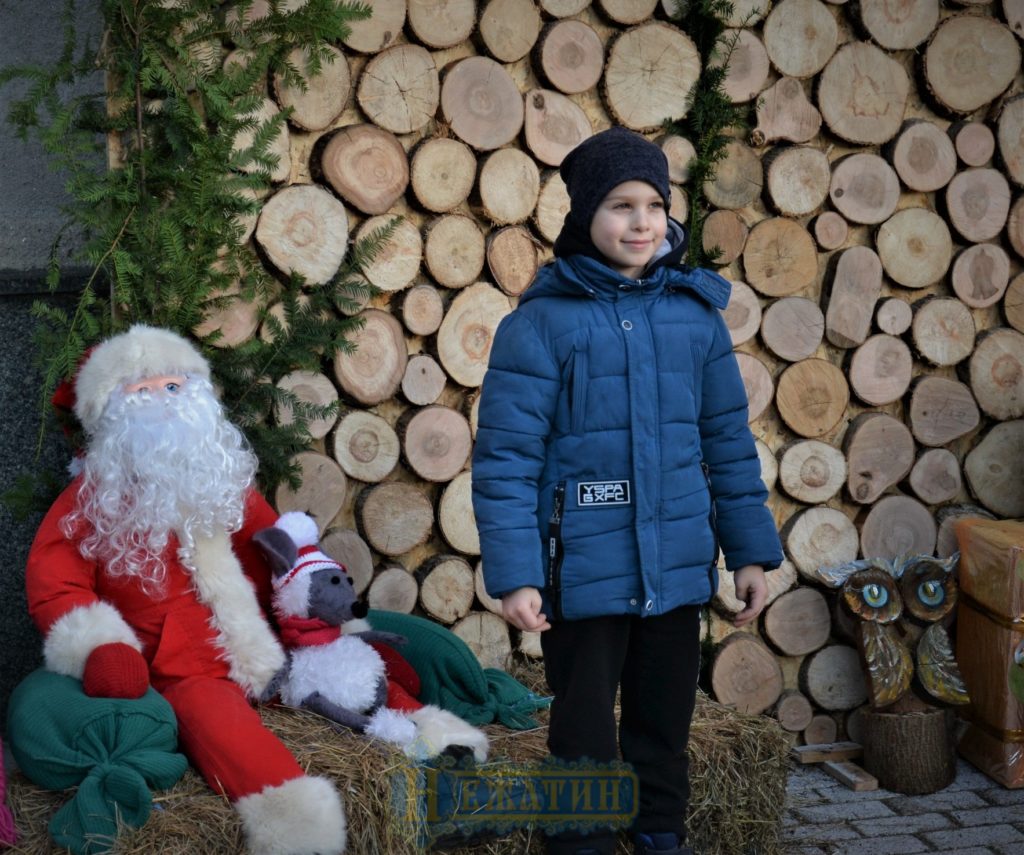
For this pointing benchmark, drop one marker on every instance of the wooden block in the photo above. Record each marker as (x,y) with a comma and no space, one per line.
(851,775)
(828,751)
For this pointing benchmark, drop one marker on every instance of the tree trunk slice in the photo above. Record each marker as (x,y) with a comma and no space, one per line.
(455,516)
(812,396)
(864,188)
(422,309)
(446,591)
(649,76)
(347,548)
(978,202)
(863,93)
(529,645)
(757,381)
(366,166)
(454,250)
(881,370)
(737,178)
(441,23)
(234,320)
(981,274)
(800,37)
(442,173)
(894,316)
(969,61)
(512,259)
(779,580)
(879,453)
(726,232)
(435,442)
(745,675)
(821,730)
(373,371)
(743,314)
(553,125)
(312,388)
(997,373)
(974,142)
(509,186)
(424,380)
(627,12)
(1010,135)
(321,492)
(915,247)
(819,537)
(1013,303)
(552,207)
(492,604)
(995,470)
(798,180)
(467,332)
(769,466)
(380,30)
(326,92)
(941,410)
(1015,226)
(898,26)
(742,13)
(923,156)
(303,230)
(393,589)
(569,56)
(481,103)
(1013,12)
(277,312)
(798,623)
(394,517)
(679,207)
(832,678)
(947,517)
(279,147)
(487,636)
(910,753)
(784,113)
(779,257)
(830,230)
(854,291)
(942,331)
(748,68)
(811,471)
(365,446)
(898,525)
(399,89)
(563,8)
(509,28)
(935,477)
(398,261)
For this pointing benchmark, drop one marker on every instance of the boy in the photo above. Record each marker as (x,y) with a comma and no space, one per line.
(612,460)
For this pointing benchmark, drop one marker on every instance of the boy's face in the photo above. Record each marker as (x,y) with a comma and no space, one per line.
(629,226)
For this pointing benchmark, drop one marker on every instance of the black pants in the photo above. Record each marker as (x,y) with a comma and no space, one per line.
(656,662)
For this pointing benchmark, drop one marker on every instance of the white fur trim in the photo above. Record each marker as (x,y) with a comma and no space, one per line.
(300,527)
(303,816)
(346,672)
(436,729)
(355,625)
(250,646)
(391,726)
(143,351)
(292,600)
(76,634)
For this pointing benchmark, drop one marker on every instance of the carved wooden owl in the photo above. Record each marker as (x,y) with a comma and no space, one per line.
(901,606)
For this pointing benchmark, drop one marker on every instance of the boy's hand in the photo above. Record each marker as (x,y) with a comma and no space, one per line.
(521,608)
(752,589)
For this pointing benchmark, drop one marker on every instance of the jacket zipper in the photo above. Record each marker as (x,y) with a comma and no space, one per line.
(713,522)
(556,551)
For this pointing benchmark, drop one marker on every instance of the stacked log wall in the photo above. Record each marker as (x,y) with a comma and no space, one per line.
(873,222)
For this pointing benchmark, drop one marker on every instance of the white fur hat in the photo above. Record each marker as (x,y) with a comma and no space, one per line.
(143,351)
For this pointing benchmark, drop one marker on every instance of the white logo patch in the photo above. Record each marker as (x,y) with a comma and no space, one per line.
(596,494)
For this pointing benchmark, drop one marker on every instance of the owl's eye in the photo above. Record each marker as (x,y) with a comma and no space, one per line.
(931,593)
(1018,654)
(875,595)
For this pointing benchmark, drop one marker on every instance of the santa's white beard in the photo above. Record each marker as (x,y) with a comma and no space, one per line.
(159,464)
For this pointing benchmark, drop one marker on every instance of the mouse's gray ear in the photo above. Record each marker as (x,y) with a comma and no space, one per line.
(279,549)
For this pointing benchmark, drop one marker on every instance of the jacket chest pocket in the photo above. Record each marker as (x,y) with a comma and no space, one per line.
(579,377)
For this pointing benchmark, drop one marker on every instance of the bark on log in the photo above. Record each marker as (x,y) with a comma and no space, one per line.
(757,382)
(942,330)
(375,33)
(798,623)
(745,675)
(780,258)
(864,188)
(748,67)
(881,370)
(481,103)
(423,381)
(849,94)
(821,730)
(399,89)
(898,525)
(879,452)
(321,492)
(509,28)
(894,316)
(509,184)
(278,148)
(366,166)
(935,477)
(995,470)
(552,206)
(554,126)
(303,230)
(793,711)
(974,142)
(1010,136)
(779,580)
(941,410)
(737,179)
(467,331)
(743,314)
(855,288)
(347,548)
(421,309)
(442,173)
(811,397)
(569,56)
(978,202)
(435,442)
(997,373)
(313,388)
(915,247)
(394,517)
(910,753)
(393,589)
(398,260)
(830,230)
(455,517)
(819,537)
(726,232)
(981,274)
(487,636)
(923,156)
(898,26)
(454,250)
(784,113)
(325,95)
(365,446)
(441,23)
(832,678)
(446,588)
(811,471)
(969,61)
(512,258)
(627,12)
(649,76)
(798,180)
(374,371)
(1013,303)
(800,37)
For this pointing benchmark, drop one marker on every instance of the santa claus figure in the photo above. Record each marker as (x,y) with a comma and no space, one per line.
(144,573)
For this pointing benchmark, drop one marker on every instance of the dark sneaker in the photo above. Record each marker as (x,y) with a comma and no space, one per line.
(660,843)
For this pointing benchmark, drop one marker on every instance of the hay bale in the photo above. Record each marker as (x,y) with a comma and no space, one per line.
(738,769)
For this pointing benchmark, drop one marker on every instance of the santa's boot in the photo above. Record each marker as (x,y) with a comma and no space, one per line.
(303,816)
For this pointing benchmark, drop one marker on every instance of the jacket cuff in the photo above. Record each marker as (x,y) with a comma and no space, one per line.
(75,635)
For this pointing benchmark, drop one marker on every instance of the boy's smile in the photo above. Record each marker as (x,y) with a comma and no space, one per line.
(629,226)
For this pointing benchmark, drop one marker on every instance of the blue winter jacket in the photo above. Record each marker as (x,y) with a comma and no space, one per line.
(611,413)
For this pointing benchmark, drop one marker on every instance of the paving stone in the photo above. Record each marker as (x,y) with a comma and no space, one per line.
(942,800)
(900,844)
(988,815)
(981,850)
(843,811)
(818,834)
(1002,796)
(982,835)
(902,824)
(842,793)
(969,778)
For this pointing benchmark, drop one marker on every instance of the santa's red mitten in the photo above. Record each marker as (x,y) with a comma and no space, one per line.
(115,670)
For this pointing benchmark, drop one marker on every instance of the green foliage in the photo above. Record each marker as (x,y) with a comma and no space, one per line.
(713,119)
(162,230)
